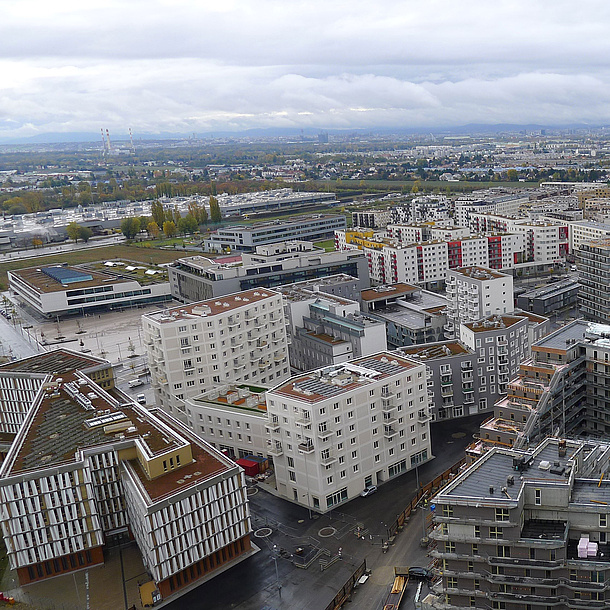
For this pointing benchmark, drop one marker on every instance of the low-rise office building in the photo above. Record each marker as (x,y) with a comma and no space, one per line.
(339,429)
(194,279)
(550,298)
(245,238)
(60,290)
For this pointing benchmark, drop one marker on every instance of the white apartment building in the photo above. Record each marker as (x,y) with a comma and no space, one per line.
(586,230)
(475,293)
(234,338)
(337,430)
(232,418)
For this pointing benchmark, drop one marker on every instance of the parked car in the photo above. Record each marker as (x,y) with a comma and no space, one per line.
(420,573)
(134,383)
(141,399)
(367,491)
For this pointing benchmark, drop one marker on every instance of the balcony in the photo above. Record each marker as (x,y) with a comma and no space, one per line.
(303,420)
(389,432)
(423,417)
(272,425)
(275,450)
(324,434)
(447,391)
(328,459)
(306,446)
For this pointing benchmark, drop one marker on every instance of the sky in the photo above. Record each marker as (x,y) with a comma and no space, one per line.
(199,66)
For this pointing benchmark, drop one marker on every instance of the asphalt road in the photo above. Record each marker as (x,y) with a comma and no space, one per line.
(252,584)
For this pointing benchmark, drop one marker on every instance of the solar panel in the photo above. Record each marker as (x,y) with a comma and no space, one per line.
(66,275)
(381,367)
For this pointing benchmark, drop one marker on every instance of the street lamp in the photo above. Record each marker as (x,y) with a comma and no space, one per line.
(277,576)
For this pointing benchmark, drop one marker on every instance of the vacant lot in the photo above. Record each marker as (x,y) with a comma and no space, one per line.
(88,255)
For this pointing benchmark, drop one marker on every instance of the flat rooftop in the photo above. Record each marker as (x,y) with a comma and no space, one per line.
(49,279)
(273,224)
(381,293)
(532,317)
(479,273)
(212,307)
(239,397)
(338,379)
(563,337)
(431,351)
(495,322)
(58,361)
(486,478)
(551,289)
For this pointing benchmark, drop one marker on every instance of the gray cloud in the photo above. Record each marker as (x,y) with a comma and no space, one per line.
(194,66)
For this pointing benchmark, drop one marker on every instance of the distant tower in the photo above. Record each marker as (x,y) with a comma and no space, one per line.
(133,148)
(104,145)
(108,139)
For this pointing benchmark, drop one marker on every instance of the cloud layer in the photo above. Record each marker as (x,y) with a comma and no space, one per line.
(184,66)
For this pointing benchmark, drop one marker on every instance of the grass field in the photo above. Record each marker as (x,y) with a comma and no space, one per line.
(89,255)
(328,245)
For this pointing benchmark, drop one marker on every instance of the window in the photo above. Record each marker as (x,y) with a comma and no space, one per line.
(447,510)
(452,582)
(603,520)
(502,514)
(449,547)
(475,549)
(329,480)
(537,497)
(495,533)
(503,551)
(477,531)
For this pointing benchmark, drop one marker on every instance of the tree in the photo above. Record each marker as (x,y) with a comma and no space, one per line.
(512,175)
(188,224)
(37,242)
(73,231)
(158,213)
(153,229)
(177,216)
(130,227)
(215,214)
(85,233)
(169,228)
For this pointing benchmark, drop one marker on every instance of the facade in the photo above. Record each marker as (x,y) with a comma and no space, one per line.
(421,209)
(550,298)
(586,230)
(194,279)
(89,466)
(245,238)
(502,204)
(232,418)
(337,430)
(324,329)
(594,274)
(411,315)
(374,219)
(60,290)
(474,293)
(525,529)
(235,338)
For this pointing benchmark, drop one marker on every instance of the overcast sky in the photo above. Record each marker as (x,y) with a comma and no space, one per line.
(195,66)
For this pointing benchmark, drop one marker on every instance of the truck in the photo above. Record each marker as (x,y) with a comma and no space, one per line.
(401,580)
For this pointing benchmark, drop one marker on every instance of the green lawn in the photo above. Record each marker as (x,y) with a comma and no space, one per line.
(328,245)
(89,255)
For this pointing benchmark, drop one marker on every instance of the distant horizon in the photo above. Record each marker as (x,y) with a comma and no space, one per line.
(310,132)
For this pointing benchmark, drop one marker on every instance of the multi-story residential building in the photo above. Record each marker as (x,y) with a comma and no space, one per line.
(503,204)
(374,219)
(235,338)
(474,293)
(391,260)
(550,298)
(422,209)
(586,230)
(525,529)
(468,376)
(194,279)
(594,275)
(245,238)
(89,466)
(407,234)
(324,329)
(60,290)
(411,315)
(337,430)
(232,418)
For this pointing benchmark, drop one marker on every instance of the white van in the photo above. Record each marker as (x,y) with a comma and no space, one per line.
(134,383)
(141,398)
